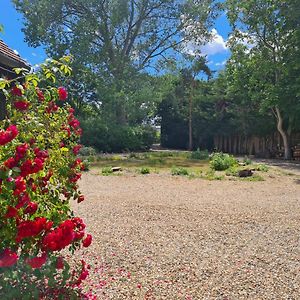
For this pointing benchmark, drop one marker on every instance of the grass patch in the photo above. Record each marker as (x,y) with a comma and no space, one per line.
(156,160)
(232,171)
(179,171)
(211,175)
(254,177)
(106,171)
(143,170)
(247,161)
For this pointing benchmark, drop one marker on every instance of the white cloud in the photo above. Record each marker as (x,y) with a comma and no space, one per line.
(220,64)
(215,46)
(33,54)
(16,52)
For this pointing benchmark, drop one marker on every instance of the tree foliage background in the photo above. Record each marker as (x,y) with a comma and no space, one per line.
(130,57)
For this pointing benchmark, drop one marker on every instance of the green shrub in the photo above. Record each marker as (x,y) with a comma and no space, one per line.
(232,171)
(222,161)
(87,151)
(107,171)
(199,154)
(39,171)
(262,168)
(179,171)
(144,170)
(115,138)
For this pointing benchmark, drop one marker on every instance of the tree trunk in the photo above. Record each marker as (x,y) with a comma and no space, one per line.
(286,144)
(190,126)
(191,118)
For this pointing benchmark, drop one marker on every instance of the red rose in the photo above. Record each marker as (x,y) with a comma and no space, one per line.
(52,107)
(8,135)
(30,228)
(31,208)
(62,93)
(60,263)
(37,262)
(76,149)
(21,105)
(12,212)
(40,95)
(23,199)
(16,91)
(87,241)
(8,258)
(21,151)
(74,123)
(60,237)
(10,163)
(20,186)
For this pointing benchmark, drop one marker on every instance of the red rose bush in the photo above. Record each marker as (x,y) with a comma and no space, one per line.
(39,172)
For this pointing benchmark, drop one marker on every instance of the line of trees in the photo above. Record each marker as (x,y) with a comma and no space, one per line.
(134,70)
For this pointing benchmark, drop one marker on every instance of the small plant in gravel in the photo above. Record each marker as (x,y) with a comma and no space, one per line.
(255,177)
(211,175)
(262,168)
(221,161)
(247,161)
(106,171)
(200,154)
(232,171)
(179,171)
(143,170)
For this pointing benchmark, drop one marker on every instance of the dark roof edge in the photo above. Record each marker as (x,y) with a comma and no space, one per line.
(12,63)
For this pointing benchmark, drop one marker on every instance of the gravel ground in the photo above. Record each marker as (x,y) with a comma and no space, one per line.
(164,237)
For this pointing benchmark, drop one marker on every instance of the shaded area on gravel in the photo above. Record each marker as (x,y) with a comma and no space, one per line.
(163,237)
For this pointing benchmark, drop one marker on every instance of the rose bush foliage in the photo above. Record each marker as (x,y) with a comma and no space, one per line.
(39,172)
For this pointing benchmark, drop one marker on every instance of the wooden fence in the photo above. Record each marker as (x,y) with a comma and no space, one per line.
(267,147)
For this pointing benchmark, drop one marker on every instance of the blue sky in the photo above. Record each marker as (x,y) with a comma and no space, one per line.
(216,51)
(14,37)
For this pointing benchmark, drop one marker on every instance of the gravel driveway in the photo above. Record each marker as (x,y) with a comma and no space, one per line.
(163,237)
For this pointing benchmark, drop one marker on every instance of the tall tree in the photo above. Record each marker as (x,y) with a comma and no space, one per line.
(270,31)
(189,81)
(115,38)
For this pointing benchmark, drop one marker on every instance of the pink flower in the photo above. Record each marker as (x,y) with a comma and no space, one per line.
(62,93)
(87,241)
(8,258)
